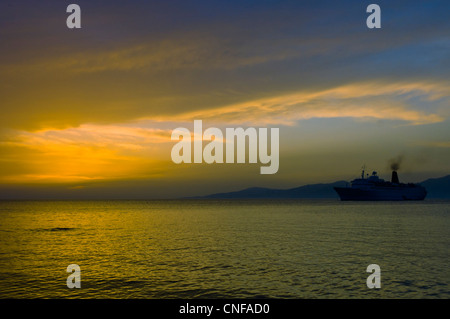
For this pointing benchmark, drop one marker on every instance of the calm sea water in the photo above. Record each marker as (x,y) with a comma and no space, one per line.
(224,249)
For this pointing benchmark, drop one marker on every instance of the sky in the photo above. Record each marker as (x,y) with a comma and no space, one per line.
(88,113)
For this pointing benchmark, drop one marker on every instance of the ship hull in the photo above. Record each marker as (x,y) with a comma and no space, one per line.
(381,193)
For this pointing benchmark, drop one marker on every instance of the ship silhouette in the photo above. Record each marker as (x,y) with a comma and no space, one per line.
(374,188)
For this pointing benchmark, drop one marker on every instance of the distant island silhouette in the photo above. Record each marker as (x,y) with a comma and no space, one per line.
(437,188)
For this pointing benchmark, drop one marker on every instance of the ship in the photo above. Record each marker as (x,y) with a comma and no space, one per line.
(373,188)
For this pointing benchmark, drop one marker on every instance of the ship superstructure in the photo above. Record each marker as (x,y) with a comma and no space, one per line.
(373,188)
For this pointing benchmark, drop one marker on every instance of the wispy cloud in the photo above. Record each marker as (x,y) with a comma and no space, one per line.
(376,100)
(186,52)
(110,136)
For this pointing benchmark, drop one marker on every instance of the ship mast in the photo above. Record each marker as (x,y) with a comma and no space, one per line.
(362,173)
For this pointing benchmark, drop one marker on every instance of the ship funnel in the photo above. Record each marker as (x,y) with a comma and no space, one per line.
(394,178)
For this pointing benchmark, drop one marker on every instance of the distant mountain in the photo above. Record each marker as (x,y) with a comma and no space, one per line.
(438,188)
(307,191)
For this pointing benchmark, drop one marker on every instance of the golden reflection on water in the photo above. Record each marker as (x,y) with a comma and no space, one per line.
(224,249)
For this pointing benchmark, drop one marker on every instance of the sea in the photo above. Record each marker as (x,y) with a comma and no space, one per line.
(213,249)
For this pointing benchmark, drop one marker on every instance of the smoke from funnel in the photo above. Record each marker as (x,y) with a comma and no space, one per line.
(396,162)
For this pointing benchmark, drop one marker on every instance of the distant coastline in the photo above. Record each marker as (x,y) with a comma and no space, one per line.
(438,188)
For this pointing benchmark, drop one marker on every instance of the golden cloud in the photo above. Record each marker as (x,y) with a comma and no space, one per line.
(87,153)
(358,100)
